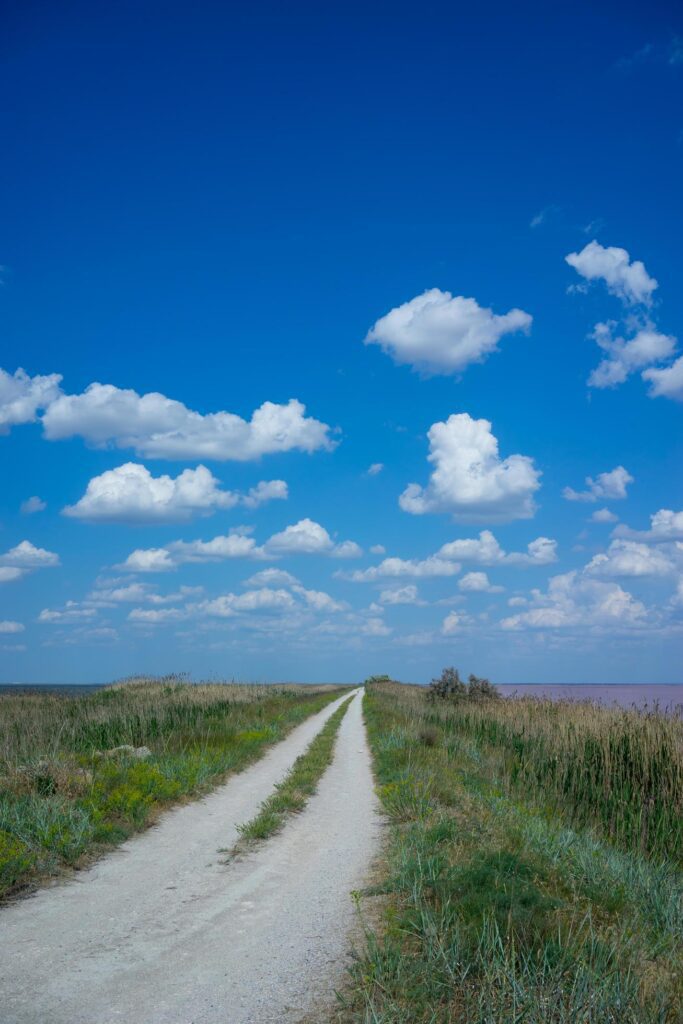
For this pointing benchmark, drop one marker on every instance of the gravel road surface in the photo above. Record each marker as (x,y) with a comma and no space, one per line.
(162,932)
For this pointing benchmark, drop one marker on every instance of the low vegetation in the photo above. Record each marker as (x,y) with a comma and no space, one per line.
(293,793)
(78,774)
(523,880)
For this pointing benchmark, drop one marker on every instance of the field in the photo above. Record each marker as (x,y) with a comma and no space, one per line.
(81,773)
(533,870)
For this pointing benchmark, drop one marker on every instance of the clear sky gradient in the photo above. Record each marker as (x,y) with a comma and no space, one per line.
(451,233)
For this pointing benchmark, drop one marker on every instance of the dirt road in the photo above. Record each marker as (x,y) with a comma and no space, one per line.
(162,932)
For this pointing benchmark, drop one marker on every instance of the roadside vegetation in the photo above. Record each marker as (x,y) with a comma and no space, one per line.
(533,870)
(81,773)
(298,786)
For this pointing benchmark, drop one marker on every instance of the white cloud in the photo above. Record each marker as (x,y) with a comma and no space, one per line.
(31,505)
(22,396)
(155,616)
(10,573)
(271,578)
(232,545)
(486,550)
(630,558)
(309,538)
(375,627)
(264,599)
(574,600)
(401,595)
(626,279)
(304,537)
(375,468)
(378,549)
(665,525)
(319,601)
(71,612)
(470,479)
(517,602)
(159,427)
(453,623)
(265,490)
(132,592)
(606,487)
(148,560)
(439,333)
(9,626)
(603,515)
(479,582)
(667,382)
(25,557)
(624,356)
(397,567)
(130,493)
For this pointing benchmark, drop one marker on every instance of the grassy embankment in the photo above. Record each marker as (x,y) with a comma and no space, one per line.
(534,865)
(63,799)
(292,794)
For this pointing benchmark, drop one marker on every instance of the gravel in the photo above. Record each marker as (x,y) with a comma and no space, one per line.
(163,931)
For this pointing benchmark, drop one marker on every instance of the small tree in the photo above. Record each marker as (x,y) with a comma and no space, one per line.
(448,686)
(481,689)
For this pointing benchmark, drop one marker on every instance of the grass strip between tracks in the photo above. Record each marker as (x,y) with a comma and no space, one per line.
(293,793)
(65,798)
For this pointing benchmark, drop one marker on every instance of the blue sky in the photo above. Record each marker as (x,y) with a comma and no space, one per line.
(436,252)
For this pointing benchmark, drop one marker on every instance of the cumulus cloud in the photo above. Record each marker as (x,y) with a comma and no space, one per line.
(478,582)
(575,600)
(25,557)
(665,525)
(453,623)
(396,567)
(130,493)
(10,573)
(401,595)
(22,397)
(438,333)
(158,427)
(309,538)
(610,486)
(603,515)
(271,578)
(148,560)
(666,382)
(627,279)
(375,627)
(470,480)
(319,601)
(9,626)
(133,592)
(155,616)
(486,550)
(378,549)
(71,612)
(375,468)
(624,357)
(31,505)
(630,558)
(303,538)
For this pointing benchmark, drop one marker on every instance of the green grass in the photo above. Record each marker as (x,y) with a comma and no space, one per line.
(63,801)
(292,794)
(500,906)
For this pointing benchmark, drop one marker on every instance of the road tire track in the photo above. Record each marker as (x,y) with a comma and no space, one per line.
(162,932)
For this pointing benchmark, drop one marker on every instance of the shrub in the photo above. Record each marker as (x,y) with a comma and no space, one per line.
(481,689)
(448,686)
